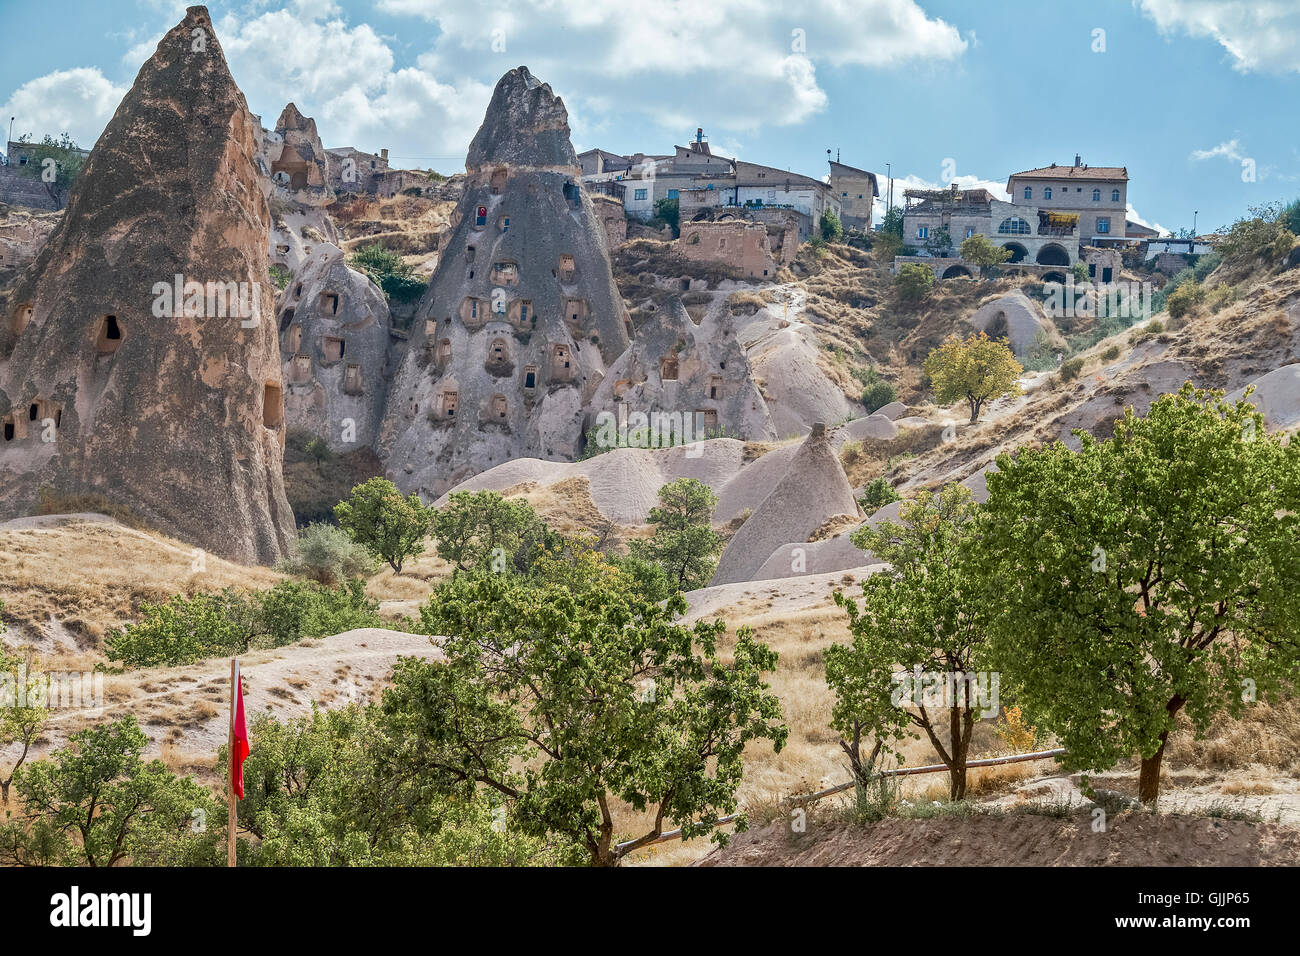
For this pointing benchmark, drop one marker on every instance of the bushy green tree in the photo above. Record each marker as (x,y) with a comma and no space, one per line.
(383,522)
(977,370)
(482,528)
(927,615)
(568,691)
(386,269)
(1146,575)
(181,630)
(830,227)
(981,251)
(876,494)
(913,281)
(22,721)
(684,543)
(96,803)
(878,394)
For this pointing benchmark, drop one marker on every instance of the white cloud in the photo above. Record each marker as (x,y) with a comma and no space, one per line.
(1259,35)
(78,102)
(1132,215)
(1229,149)
(733,64)
(997,187)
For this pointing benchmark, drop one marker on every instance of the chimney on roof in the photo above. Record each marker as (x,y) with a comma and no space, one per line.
(1078,160)
(383,154)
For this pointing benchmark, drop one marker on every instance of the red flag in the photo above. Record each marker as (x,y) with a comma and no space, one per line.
(238,737)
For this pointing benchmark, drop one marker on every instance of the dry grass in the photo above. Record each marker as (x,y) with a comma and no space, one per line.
(92,577)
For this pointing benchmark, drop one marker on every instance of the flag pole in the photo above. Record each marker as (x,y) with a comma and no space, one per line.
(230,766)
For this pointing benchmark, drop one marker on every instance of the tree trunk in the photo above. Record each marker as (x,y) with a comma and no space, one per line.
(1149,777)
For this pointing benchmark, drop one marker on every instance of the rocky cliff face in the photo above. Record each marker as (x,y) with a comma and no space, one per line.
(522,316)
(139,359)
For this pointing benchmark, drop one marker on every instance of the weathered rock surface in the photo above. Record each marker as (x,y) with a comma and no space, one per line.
(813,490)
(1015,317)
(522,316)
(107,387)
(334,342)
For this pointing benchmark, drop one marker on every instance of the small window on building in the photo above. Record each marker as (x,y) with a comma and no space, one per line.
(1047,193)
(1092,270)
(530,376)
(1103,224)
(673,194)
(970,231)
(301,368)
(923,232)
(480,216)
(505,273)
(639,194)
(1114,195)
(334,349)
(1096,195)
(715,386)
(504,223)
(568,268)
(447,407)
(1029,193)
(499,407)
(1107,273)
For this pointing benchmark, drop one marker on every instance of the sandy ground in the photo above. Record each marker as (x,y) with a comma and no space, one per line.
(1019,839)
(184,710)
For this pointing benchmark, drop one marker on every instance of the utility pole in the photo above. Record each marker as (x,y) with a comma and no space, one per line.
(1195,213)
(889,203)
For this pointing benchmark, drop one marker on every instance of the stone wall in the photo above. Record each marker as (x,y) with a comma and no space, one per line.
(736,243)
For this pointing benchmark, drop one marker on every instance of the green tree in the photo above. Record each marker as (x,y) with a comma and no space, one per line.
(977,370)
(384,523)
(684,543)
(668,211)
(1145,575)
(482,528)
(939,242)
(830,227)
(180,630)
(981,251)
(97,803)
(395,278)
(65,161)
(878,394)
(913,281)
(927,616)
(876,494)
(570,691)
(22,718)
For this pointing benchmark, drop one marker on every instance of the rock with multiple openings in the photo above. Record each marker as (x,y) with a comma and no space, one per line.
(138,358)
(521,318)
(334,342)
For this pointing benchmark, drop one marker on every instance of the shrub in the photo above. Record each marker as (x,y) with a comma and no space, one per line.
(386,269)
(684,544)
(327,555)
(877,395)
(876,494)
(830,227)
(1185,298)
(1070,369)
(1111,353)
(1081,272)
(483,528)
(913,282)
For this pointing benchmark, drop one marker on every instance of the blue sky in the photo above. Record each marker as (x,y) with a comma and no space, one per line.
(1198,98)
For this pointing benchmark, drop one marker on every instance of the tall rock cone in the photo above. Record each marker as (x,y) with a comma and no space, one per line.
(813,490)
(139,363)
(521,318)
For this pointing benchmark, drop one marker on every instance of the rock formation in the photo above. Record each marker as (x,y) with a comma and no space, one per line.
(696,374)
(139,361)
(1016,318)
(292,161)
(813,490)
(521,317)
(334,342)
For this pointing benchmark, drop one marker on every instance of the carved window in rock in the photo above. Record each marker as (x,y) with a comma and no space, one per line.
(706,419)
(333,348)
(715,386)
(498,354)
(499,407)
(480,217)
(568,268)
(109,337)
(272,406)
(497,183)
(352,380)
(295,338)
(10,428)
(521,314)
(23,317)
(447,403)
(668,368)
(329,303)
(505,273)
(444,351)
(530,377)
(474,311)
(430,327)
(302,368)
(285,319)
(561,364)
(504,224)
(575,311)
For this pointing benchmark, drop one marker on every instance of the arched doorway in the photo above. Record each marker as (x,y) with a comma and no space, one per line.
(1053,255)
(1018,252)
(956,272)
